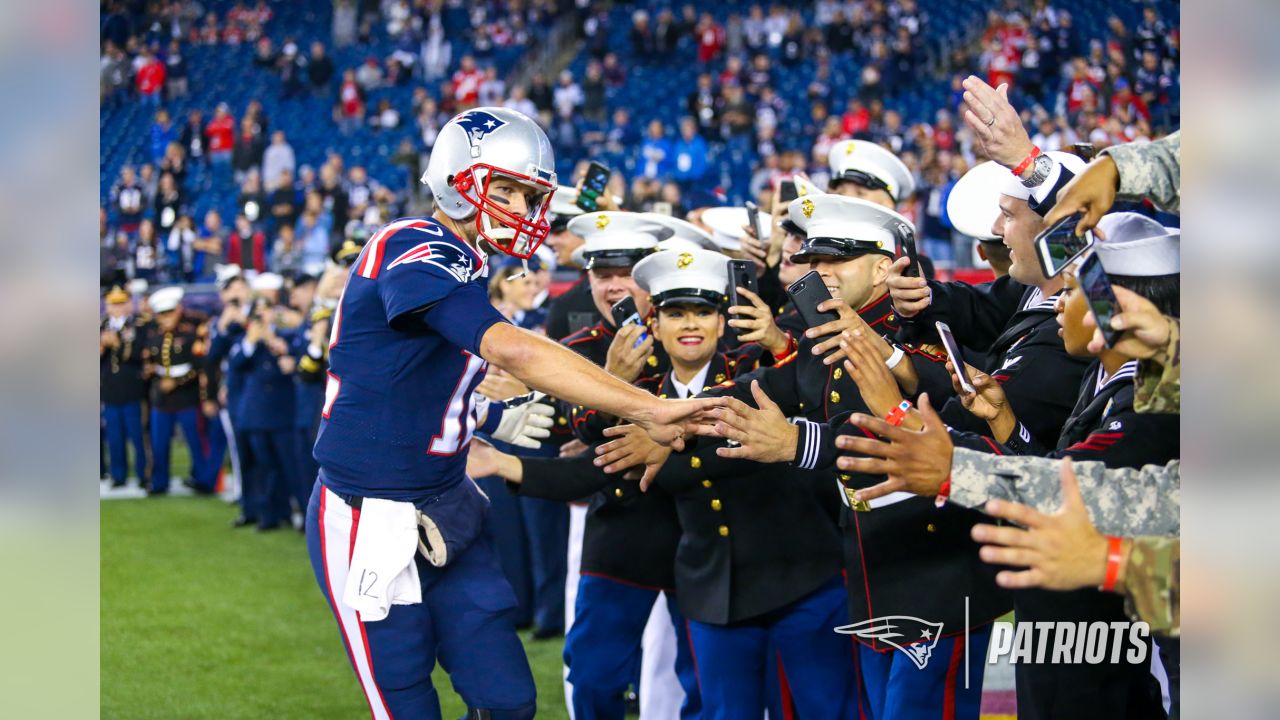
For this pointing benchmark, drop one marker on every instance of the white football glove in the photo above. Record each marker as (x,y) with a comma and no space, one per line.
(527,423)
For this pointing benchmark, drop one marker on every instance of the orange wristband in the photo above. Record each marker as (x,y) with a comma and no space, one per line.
(1114,556)
(1026,161)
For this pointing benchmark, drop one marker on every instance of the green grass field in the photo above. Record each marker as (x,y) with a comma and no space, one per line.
(201,621)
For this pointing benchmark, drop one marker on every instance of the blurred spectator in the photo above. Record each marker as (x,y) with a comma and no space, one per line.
(147,254)
(436,51)
(345,18)
(168,203)
(175,71)
(369,75)
(179,251)
(149,78)
(320,70)
(386,118)
(466,83)
(264,54)
(277,160)
(162,133)
(207,247)
(221,135)
(350,109)
(246,246)
(540,93)
(520,102)
(248,151)
(114,73)
(192,136)
(492,89)
(622,134)
(430,120)
(643,42)
(127,197)
(690,153)
(710,38)
(701,105)
(252,202)
(568,96)
(313,237)
(292,66)
(615,76)
(655,151)
(286,256)
(282,203)
(665,33)
(360,189)
(113,261)
(593,93)
(149,181)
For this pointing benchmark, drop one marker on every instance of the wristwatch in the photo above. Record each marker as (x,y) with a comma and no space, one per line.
(1039,171)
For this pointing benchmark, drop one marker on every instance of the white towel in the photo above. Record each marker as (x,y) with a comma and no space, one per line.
(383,572)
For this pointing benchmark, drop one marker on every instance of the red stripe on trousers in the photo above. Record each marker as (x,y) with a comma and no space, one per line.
(949,692)
(784,689)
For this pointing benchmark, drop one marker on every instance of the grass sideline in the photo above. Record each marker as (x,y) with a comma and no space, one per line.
(200,621)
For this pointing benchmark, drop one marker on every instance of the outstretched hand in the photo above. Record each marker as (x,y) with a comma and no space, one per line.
(632,448)
(1092,193)
(916,461)
(762,433)
(669,422)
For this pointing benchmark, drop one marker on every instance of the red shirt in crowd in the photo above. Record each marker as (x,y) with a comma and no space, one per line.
(151,77)
(1003,66)
(258,251)
(349,96)
(466,86)
(854,123)
(710,41)
(1077,91)
(221,133)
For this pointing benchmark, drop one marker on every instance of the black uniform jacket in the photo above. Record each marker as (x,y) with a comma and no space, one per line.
(180,355)
(121,367)
(1104,426)
(572,310)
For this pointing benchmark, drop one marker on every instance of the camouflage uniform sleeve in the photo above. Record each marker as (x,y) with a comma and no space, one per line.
(1158,386)
(1121,501)
(1151,586)
(1150,170)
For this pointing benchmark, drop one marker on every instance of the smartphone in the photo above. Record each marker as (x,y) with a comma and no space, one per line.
(787,191)
(753,220)
(624,311)
(953,352)
(1085,150)
(1102,300)
(593,186)
(1059,246)
(808,293)
(742,274)
(907,240)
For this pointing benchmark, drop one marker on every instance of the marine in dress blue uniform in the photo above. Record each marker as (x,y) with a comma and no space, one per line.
(225,333)
(175,354)
(123,387)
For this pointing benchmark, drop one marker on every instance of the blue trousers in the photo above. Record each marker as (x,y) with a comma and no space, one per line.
(216,442)
(276,462)
(602,649)
(125,422)
(817,663)
(463,621)
(893,688)
(162,436)
(250,488)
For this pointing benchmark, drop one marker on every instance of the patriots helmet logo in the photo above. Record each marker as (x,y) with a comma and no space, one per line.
(478,124)
(913,636)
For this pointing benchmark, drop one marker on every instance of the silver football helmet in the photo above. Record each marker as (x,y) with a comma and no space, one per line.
(479,145)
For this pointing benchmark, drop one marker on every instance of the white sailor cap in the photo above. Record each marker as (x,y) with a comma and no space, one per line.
(616,238)
(226,273)
(974,202)
(727,223)
(843,227)
(685,231)
(1137,246)
(165,299)
(870,165)
(684,276)
(266,282)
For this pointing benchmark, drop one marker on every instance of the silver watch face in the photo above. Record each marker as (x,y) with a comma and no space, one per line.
(1040,171)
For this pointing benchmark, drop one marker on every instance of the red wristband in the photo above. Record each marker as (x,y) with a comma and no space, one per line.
(790,348)
(1026,161)
(944,492)
(898,414)
(1114,556)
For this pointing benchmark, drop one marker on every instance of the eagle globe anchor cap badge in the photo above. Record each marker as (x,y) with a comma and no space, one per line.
(916,638)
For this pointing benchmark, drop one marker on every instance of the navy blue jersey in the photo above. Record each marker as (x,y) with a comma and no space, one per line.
(404,358)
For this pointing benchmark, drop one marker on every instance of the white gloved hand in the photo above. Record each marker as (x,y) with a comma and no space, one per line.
(525,425)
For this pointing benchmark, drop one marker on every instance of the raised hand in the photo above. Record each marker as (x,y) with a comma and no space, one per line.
(911,295)
(994,122)
(762,433)
(866,366)
(631,346)
(756,323)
